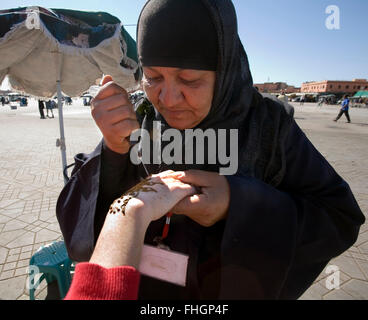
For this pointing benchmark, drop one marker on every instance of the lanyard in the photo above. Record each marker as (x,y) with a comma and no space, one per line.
(165,231)
(159,240)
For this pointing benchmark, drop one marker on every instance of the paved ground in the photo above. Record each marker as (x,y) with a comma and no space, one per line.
(31,179)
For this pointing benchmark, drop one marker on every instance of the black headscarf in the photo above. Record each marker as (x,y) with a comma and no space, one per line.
(178,34)
(168,26)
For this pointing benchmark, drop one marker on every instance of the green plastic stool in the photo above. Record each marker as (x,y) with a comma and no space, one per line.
(53,262)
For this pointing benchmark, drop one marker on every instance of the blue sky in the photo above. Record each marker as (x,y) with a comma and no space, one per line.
(286,40)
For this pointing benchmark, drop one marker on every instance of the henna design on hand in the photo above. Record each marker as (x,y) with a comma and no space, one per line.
(144,186)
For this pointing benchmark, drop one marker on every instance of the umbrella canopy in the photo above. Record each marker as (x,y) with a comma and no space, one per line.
(48,51)
(361,94)
(39,45)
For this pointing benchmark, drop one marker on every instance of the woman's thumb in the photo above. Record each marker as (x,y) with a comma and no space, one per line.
(106,79)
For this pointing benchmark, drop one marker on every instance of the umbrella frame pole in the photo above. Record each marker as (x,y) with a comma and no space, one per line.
(61,142)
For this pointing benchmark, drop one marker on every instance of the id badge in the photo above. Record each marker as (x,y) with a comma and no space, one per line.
(164,265)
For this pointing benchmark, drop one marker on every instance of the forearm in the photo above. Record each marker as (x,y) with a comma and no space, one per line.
(121,239)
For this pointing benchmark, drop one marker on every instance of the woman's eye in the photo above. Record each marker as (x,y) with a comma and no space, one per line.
(190,82)
(152,79)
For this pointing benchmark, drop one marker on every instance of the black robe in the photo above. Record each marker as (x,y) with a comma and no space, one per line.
(273,244)
(290,212)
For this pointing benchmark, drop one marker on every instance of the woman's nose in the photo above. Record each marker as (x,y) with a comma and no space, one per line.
(170,95)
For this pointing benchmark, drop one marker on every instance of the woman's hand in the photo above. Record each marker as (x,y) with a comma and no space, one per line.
(212,204)
(121,239)
(114,115)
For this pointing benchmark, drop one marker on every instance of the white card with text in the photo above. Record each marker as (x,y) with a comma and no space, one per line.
(164,265)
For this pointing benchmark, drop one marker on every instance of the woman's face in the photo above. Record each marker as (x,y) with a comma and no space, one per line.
(182,96)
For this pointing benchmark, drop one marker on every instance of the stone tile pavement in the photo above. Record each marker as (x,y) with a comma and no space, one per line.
(31,180)
(344,146)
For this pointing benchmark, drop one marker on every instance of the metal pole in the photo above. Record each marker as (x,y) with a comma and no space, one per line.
(61,142)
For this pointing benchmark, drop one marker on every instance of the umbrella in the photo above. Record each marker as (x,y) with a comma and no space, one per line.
(48,51)
(361,94)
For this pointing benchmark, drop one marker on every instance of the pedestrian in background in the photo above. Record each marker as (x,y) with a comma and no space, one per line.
(49,107)
(344,109)
(41,106)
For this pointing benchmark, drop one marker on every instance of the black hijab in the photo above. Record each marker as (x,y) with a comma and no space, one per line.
(194,34)
(178,34)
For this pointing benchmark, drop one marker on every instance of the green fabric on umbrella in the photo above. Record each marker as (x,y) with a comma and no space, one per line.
(361,94)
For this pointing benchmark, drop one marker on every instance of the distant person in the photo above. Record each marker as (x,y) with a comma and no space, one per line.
(49,108)
(41,106)
(302,99)
(23,102)
(320,102)
(3,101)
(344,109)
(86,101)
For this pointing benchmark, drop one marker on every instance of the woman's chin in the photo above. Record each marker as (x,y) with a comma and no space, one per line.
(180,124)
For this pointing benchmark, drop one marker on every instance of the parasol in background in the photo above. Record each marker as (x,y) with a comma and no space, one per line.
(49,51)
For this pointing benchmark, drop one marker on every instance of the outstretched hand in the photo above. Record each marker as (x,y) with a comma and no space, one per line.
(121,238)
(154,197)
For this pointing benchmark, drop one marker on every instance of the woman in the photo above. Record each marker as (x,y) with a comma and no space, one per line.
(265,232)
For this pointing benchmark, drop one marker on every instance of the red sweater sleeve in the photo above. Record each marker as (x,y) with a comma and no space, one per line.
(94,282)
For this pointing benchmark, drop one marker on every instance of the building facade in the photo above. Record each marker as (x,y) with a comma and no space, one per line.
(329,86)
(276,87)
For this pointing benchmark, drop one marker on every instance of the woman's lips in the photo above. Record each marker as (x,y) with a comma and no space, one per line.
(175,113)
